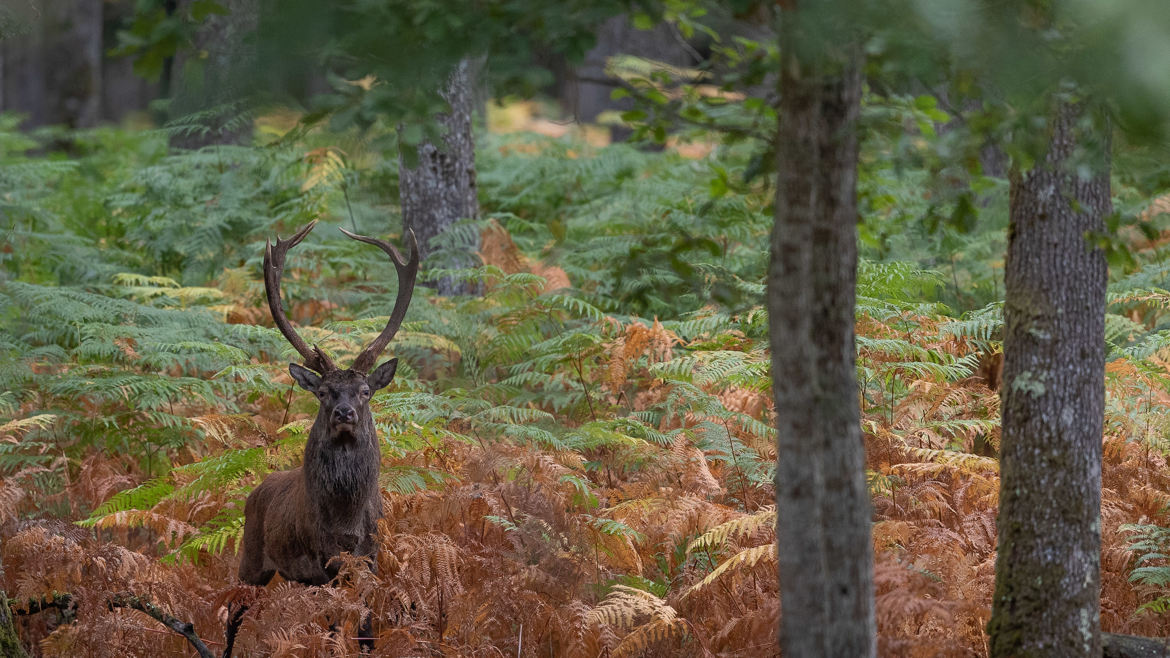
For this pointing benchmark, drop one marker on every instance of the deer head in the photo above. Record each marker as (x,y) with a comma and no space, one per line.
(344,394)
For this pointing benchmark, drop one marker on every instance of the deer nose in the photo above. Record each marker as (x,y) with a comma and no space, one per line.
(343,415)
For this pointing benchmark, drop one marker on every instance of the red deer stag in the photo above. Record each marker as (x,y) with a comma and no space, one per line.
(297,521)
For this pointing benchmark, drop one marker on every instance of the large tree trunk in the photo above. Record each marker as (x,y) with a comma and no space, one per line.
(440,189)
(1047,580)
(52,67)
(822,506)
(209,81)
(10,646)
(618,36)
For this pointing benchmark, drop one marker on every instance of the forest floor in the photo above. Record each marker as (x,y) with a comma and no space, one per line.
(570,467)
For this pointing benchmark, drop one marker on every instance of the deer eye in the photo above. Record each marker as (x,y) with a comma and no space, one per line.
(365,392)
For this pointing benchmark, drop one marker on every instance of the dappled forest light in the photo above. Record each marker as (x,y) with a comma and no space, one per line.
(740,329)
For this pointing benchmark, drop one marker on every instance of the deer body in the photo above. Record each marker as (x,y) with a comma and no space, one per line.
(312,513)
(297,521)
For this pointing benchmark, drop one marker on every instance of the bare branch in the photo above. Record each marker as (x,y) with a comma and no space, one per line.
(1130,646)
(235,619)
(67,604)
(143,604)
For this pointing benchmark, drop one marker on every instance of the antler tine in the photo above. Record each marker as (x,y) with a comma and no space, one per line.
(315,359)
(407,272)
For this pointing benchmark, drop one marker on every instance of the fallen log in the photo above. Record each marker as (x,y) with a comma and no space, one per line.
(1132,646)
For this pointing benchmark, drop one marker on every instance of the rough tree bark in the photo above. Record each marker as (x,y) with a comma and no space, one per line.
(1047,579)
(10,646)
(53,65)
(822,506)
(441,189)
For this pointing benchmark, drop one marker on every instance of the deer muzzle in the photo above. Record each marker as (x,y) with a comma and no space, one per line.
(344,415)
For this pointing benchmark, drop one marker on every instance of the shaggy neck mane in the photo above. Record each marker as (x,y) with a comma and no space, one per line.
(342,474)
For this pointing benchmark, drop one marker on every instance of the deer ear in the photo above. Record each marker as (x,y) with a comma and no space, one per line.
(383,374)
(308,379)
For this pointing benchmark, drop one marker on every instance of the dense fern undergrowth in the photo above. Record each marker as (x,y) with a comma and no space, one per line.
(577,462)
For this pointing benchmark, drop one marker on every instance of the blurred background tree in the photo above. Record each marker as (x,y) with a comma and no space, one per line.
(948,94)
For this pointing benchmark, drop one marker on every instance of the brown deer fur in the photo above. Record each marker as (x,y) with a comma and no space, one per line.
(296,522)
(309,515)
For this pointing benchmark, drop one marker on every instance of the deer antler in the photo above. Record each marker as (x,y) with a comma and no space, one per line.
(407,271)
(315,359)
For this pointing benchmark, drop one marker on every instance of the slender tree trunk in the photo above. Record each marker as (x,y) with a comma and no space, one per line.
(1047,579)
(440,189)
(823,508)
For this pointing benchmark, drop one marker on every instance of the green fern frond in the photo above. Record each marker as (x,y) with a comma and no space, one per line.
(746,559)
(746,525)
(142,497)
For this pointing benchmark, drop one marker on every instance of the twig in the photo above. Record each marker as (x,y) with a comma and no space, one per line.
(738,468)
(143,604)
(442,615)
(512,518)
(349,208)
(622,396)
(581,378)
(287,404)
(682,42)
(159,631)
(233,627)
